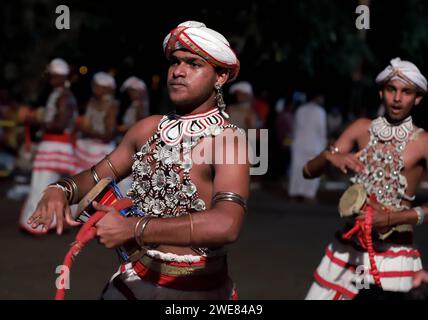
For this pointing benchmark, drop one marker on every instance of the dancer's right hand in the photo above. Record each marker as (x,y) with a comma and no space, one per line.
(345,162)
(53,203)
(419,278)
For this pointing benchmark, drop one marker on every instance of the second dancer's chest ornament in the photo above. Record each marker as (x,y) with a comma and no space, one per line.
(383,161)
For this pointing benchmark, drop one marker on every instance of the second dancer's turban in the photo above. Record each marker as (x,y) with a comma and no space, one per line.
(205,42)
(104,79)
(58,66)
(404,71)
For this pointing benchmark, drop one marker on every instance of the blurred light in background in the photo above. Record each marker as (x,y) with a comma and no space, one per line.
(83,70)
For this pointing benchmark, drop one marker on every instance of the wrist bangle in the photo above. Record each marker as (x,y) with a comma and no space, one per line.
(306,171)
(112,168)
(141,232)
(95,175)
(191,228)
(58,186)
(137,225)
(333,149)
(421,215)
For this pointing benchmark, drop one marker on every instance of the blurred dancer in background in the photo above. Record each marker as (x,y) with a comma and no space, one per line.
(54,155)
(97,128)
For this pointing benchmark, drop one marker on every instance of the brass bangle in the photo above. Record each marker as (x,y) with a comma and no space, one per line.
(191,229)
(141,233)
(306,171)
(70,188)
(136,236)
(75,191)
(95,175)
(420,214)
(116,175)
(230,196)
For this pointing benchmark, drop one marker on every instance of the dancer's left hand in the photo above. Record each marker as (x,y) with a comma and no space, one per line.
(419,278)
(380,220)
(114,229)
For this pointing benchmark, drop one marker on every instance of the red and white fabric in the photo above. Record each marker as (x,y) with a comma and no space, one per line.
(138,282)
(336,276)
(55,153)
(89,152)
(54,158)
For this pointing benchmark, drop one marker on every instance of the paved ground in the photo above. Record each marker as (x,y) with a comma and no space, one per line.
(280,245)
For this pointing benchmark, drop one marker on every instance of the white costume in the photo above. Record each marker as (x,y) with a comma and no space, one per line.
(310,138)
(395,257)
(130,116)
(55,155)
(242,113)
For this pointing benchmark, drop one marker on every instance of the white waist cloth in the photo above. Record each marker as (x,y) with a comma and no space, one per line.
(91,151)
(55,156)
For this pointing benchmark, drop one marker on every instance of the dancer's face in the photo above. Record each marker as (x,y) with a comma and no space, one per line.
(98,90)
(399,99)
(191,80)
(56,80)
(135,94)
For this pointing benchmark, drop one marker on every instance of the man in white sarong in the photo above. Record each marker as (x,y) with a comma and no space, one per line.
(310,138)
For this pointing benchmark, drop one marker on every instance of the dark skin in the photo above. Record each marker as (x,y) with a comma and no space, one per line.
(135,96)
(191,82)
(64,111)
(420,278)
(399,98)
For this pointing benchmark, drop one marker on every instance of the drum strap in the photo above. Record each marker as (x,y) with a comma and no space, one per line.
(86,234)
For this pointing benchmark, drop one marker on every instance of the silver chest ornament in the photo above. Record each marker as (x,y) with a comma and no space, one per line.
(157,188)
(383,160)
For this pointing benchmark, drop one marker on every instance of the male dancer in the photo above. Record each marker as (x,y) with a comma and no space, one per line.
(389,164)
(140,102)
(55,156)
(95,137)
(193,208)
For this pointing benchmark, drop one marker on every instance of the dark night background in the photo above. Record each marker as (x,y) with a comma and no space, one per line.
(282,45)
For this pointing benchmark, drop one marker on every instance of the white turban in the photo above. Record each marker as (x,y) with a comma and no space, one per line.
(105,80)
(58,66)
(404,71)
(133,83)
(205,42)
(242,86)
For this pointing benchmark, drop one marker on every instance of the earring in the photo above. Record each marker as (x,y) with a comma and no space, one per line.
(220,101)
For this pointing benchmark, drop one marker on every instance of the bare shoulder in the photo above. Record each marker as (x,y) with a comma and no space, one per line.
(362,123)
(359,126)
(423,136)
(232,139)
(145,128)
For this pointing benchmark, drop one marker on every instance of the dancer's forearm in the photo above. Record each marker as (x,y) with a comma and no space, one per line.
(316,166)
